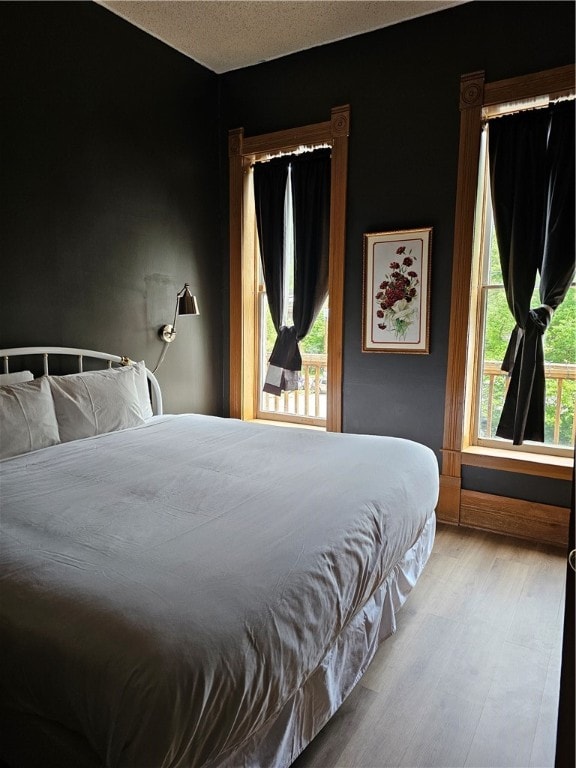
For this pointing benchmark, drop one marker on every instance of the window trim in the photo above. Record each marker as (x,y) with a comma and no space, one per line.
(475,95)
(242,152)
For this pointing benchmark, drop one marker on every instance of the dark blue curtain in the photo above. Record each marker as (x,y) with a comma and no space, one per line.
(269,193)
(310,180)
(531,157)
(311,208)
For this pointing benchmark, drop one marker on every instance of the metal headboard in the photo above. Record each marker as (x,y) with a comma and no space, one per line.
(80,354)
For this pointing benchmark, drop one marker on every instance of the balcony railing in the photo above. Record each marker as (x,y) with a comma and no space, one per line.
(560,403)
(308,403)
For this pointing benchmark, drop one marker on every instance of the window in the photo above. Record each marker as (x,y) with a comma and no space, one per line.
(247,305)
(488,341)
(307,403)
(462,415)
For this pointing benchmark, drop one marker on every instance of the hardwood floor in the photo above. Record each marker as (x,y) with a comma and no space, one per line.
(471,677)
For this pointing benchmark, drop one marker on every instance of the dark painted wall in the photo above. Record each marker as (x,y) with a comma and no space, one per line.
(402,83)
(114,191)
(109,194)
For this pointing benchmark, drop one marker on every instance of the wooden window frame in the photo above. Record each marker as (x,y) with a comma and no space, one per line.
(475,95)
(242,152)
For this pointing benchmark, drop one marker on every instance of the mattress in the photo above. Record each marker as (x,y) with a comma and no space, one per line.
(168,590)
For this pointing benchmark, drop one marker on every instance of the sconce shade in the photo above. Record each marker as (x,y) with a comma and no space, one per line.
(187,304)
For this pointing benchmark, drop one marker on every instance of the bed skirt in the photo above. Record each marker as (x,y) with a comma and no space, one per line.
(32,742)
(280,742)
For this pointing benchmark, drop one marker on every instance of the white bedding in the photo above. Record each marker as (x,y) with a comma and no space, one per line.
(167,589)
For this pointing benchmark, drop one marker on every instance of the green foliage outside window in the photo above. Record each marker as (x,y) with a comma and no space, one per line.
(559,347)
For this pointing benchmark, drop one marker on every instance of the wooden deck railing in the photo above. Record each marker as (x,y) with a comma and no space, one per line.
(495,384)
(309,402)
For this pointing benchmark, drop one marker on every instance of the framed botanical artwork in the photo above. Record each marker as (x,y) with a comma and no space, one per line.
(396,291)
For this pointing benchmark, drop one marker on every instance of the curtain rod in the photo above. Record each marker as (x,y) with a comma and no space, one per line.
(494,111)
(298,151)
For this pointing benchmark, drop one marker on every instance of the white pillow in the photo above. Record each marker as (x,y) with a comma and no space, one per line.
(142,389)
(95,402)
(16,378)
(27,418)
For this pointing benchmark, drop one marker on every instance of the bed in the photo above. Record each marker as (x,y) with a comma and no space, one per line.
(186,591)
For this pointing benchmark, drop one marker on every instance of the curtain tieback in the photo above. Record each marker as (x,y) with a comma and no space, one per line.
(286,353)
(540,318)
(538,321)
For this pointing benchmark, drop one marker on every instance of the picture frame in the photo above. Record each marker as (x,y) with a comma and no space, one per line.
(396,291)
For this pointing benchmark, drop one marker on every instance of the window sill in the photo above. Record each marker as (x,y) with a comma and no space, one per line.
(538,464)
(282,423)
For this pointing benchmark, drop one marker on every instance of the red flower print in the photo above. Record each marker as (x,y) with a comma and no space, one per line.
(394,300)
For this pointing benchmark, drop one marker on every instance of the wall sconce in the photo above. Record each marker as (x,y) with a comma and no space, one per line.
(186,304)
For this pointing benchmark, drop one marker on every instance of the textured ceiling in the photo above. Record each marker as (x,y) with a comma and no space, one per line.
(223,35)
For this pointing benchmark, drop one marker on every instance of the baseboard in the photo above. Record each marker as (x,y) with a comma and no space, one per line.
(543,523)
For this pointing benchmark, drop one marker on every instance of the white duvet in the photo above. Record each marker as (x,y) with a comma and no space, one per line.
(166,589)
